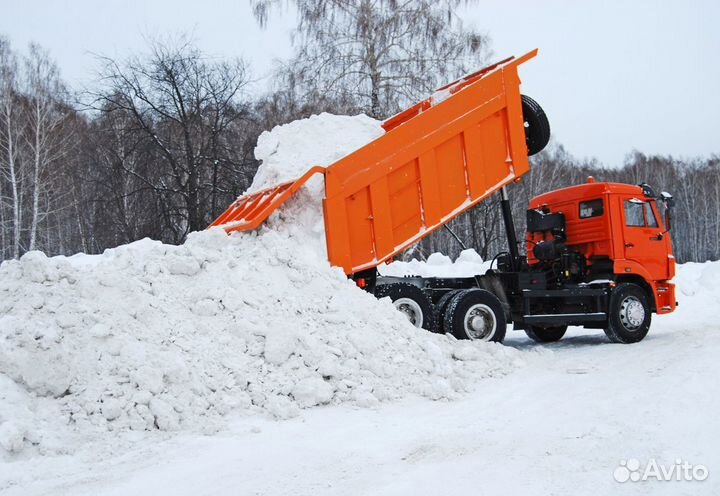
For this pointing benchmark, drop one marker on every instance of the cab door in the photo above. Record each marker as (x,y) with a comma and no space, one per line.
(644,240)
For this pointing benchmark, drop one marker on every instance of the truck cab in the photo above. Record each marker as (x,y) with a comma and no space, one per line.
(622,232)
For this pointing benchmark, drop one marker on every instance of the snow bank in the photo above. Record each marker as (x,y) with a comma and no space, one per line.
(698,295)
(468,263)
(151,337)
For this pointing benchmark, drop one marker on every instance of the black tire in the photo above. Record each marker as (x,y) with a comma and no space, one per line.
(420,314)
(629,314)
(537,127)
(545,334)
(440,308)
(486,306)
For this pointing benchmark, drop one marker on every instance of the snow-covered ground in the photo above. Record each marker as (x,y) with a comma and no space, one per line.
(247,365)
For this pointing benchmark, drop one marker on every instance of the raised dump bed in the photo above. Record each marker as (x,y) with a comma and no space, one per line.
(436,160)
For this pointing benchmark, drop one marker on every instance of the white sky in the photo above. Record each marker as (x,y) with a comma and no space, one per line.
(611,75)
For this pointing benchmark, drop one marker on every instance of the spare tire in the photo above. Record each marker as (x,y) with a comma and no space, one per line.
(537,127)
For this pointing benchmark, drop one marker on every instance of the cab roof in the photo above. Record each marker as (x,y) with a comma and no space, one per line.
(586,191)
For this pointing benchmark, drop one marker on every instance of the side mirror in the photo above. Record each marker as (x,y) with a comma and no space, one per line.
(668,199)
(669,202)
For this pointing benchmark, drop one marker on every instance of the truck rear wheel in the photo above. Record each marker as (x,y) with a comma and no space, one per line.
(629,314)
(537,127)
(440,308)
(545,334)
(411,301)
(475,314)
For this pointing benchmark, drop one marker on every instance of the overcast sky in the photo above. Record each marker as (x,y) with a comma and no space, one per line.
(612,75)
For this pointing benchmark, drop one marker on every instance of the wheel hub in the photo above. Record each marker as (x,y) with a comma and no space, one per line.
(632,313)
(411,310)
(480,322)
(477,323)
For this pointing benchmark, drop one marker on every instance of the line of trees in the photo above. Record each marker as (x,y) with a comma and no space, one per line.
(159,146)
(163,142)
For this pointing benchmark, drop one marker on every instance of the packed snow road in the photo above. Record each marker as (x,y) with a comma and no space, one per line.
(560,426)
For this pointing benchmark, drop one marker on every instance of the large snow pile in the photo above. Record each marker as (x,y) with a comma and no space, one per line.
(149,336)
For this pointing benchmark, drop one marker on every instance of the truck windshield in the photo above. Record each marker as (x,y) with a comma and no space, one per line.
(661,211)
(650,215)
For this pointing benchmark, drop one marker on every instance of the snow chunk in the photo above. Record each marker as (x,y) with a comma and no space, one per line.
(469,256)
(312,391)
(438,259)
(11,437)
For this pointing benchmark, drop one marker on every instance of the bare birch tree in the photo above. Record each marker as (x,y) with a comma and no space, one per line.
(376,55)
(45,116)
(10,133)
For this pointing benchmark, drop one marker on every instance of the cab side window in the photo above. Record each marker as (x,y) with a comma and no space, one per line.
(634,213)
(592,208)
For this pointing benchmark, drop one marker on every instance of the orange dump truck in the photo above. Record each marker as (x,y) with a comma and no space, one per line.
(598,254)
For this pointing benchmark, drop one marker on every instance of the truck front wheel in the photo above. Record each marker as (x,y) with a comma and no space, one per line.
(629,314)
(475,314)
(545,334)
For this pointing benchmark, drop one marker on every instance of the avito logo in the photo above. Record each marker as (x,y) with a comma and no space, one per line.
(632,470)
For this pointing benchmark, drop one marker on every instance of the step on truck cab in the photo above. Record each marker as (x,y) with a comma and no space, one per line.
(599,255)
